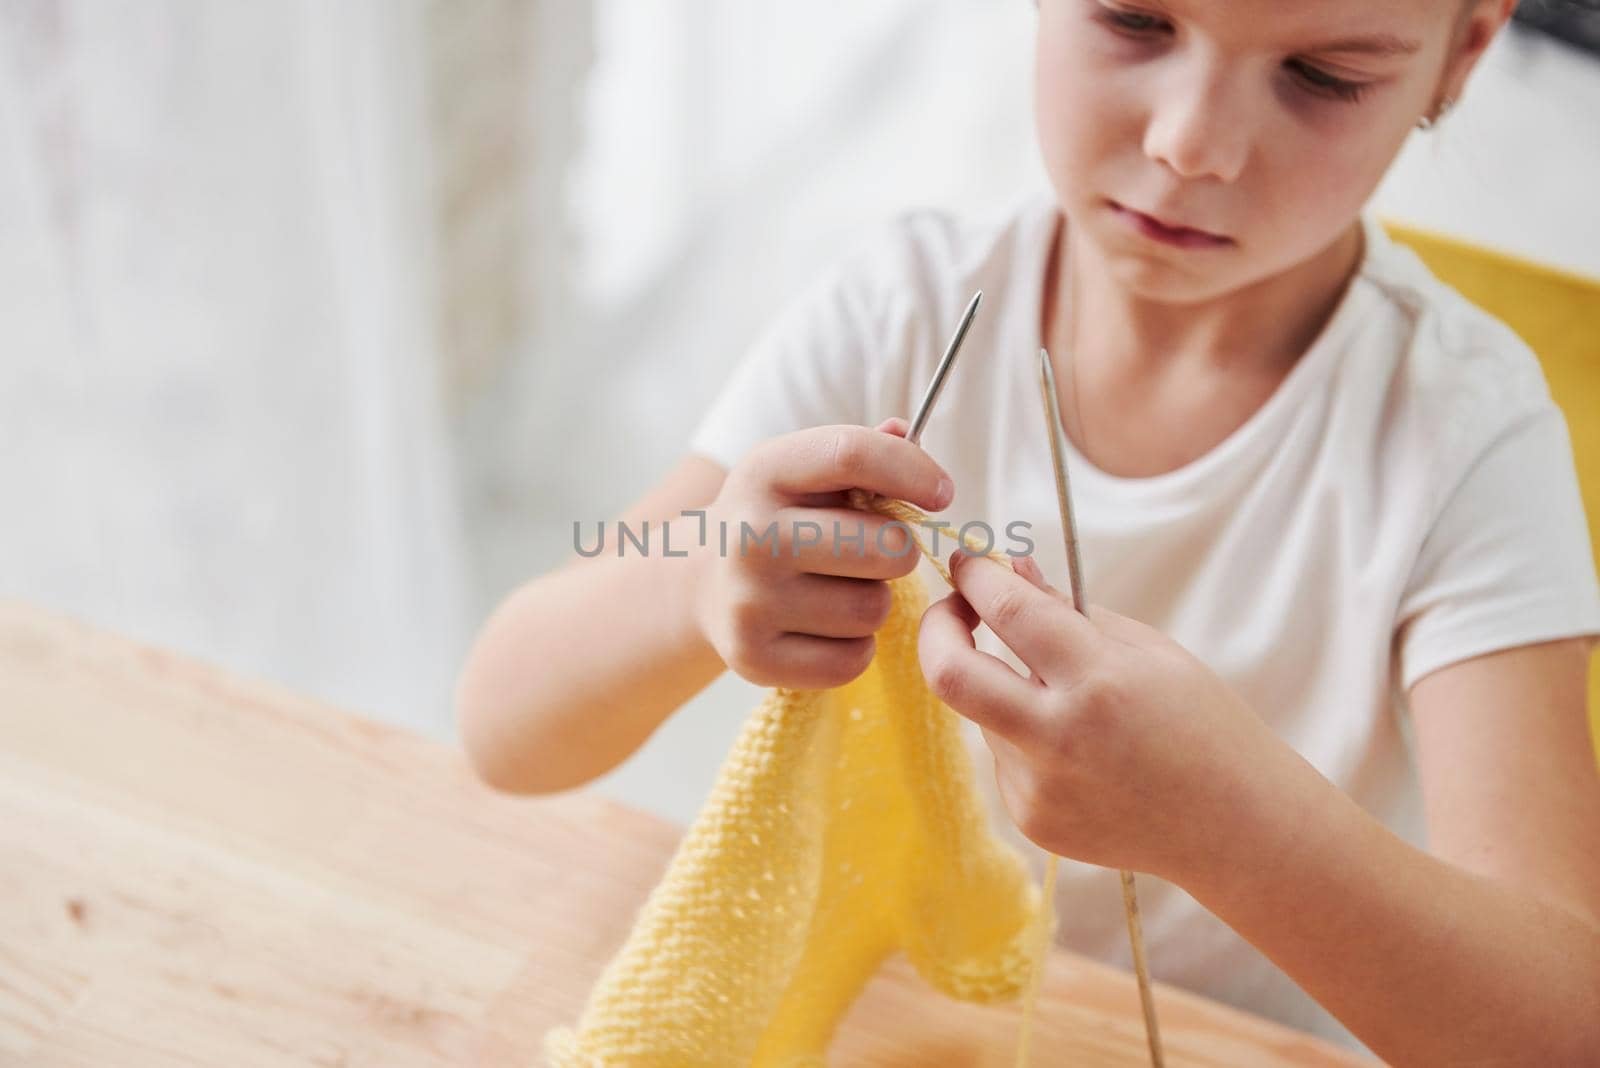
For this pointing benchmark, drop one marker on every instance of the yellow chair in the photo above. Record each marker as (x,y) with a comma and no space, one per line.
(1558,315)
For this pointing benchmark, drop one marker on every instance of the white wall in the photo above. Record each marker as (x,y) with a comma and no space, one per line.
(220,418)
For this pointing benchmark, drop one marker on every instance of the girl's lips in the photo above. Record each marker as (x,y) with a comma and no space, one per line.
(1155,230)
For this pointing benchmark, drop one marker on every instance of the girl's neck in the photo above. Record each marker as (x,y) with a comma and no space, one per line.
(1260,330)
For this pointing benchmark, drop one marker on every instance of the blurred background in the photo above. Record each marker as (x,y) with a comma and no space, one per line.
(323,323)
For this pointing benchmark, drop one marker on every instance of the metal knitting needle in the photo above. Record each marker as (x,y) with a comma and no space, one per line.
(1069,528)
(1058,460)
(925,408)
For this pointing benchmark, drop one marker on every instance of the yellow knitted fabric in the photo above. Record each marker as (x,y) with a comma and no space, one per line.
(843,826)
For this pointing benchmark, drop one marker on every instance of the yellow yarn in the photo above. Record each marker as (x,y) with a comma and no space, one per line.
(843,826)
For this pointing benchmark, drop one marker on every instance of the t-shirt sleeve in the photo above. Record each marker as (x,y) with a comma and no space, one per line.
(813,365)
(1507,561)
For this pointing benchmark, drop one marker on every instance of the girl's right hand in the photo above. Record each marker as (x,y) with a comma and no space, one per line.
(798,608)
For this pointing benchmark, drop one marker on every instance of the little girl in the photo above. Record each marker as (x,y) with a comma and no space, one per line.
(1331,691)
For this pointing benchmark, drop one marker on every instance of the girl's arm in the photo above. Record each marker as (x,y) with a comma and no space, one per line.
(1487,950)
(1122,749)
(576,669)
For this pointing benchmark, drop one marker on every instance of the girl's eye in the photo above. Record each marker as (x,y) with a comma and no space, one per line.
(1325,84)
(1316,80)
(1133,23)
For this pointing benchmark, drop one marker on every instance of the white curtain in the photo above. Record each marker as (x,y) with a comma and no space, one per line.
(220,415)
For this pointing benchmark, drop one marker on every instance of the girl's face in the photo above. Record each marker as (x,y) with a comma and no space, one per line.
(1265,122)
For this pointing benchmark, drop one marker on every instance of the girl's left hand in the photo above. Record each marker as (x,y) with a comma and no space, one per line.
(1121,749)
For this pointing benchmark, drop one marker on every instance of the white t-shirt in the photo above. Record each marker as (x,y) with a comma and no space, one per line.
(1405,499)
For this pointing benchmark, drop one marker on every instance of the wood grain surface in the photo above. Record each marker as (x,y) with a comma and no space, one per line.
(200,870)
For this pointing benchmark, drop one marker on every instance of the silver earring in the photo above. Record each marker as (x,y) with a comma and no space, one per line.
(1426,122)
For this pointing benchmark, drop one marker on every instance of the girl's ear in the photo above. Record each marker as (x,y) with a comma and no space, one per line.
(1476,28)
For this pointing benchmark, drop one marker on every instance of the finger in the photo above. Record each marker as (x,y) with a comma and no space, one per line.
(1108,623)
(807,662)
(895,426)
(1002,747)
(973,621)
(1124,629)
(826,459)
(1033,676)
(1028,568)
(981,687)
(831,607)
(1017,796)
(1042,630)
(846,542)
(1007,754)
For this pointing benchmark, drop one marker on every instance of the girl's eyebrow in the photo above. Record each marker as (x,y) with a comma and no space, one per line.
(1371,44)
(1378,44)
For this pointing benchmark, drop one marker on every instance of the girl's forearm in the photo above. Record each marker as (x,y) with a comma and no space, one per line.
(575,669)
(1425,962)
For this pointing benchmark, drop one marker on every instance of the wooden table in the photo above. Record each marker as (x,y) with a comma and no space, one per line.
(197,870)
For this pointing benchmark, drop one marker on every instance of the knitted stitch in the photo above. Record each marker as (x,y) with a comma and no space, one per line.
(843,826)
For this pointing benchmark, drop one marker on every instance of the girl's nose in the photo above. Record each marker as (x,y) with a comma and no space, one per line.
(1201,126)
